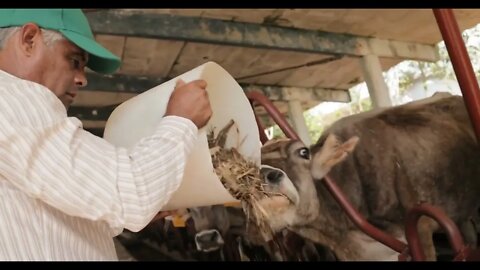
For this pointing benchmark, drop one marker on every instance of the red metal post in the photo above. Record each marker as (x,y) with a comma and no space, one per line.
(261,129)
(361,222)
(257,97)
(461,64)
(411,232)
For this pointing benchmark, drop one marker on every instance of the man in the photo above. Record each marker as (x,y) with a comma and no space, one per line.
(64,193)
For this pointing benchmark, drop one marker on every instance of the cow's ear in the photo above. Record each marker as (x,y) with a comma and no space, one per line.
(332,152)
(340,151)
(331,142)
(350,145)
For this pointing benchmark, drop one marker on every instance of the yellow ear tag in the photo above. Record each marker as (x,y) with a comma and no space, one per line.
(178,221)
(232,204)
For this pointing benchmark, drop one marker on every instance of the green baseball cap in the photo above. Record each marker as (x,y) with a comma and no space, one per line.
(73,25)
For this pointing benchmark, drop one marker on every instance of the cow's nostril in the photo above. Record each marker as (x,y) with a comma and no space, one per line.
(274,176)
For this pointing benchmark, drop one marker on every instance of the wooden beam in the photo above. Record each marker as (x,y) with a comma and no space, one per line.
(278,95)
(121,83)
(133,84)
(196,29)
(91,113)
(94,117)
(284,93)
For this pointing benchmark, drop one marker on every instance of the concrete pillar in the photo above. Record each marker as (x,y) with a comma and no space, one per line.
(295,111)
(377,88)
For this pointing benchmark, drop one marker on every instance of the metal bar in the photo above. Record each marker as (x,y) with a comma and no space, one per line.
(461,64)
(360,221)
(261,129)
(260,99)
(411,232)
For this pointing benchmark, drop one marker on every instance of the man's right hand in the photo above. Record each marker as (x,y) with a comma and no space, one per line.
(190,100)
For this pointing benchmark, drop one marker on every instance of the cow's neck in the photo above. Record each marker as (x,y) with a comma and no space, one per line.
(343,250)
(331,225)
(308,209)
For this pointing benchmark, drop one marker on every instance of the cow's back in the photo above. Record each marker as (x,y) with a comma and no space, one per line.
(408,154)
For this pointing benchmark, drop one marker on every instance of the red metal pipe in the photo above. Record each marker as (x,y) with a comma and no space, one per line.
(361,222)
(261,129)
(461,64)
(454,236)
(257,97)
(469,255)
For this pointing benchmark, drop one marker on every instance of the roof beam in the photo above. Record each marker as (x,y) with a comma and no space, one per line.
(91,113)
(196,29)
(133,84)
(96,114)
(121,83)
(283,93)
(137,85)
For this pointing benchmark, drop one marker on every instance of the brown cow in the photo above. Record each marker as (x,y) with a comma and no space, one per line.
(385,161)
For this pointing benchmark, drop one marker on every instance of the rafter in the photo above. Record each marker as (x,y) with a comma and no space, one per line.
(196,29)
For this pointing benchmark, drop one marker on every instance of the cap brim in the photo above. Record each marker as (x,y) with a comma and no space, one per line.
(100,59)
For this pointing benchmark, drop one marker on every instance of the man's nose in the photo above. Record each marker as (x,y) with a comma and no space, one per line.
(81,79)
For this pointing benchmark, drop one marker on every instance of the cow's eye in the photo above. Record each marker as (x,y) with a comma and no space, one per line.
(304,153)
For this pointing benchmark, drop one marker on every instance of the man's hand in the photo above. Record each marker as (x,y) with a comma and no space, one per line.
(190,100)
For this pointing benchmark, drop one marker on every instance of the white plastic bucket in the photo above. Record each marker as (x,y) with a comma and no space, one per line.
(136,118)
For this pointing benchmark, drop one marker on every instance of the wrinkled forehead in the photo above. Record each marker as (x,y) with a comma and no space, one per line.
(276,153)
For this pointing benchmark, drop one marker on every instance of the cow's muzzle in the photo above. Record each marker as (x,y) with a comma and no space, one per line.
(278,182)
(208,240)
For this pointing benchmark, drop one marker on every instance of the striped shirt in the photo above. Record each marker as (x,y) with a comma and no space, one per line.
(65,193)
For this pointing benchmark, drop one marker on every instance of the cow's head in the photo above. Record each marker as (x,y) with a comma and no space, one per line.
(288,168)
(211,222)
(285,169)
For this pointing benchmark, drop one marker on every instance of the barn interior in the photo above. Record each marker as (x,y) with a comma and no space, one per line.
(298,58)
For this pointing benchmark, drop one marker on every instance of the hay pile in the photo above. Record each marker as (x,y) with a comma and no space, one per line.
(241,178)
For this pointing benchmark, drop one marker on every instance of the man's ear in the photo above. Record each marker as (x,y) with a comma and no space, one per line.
(30,36)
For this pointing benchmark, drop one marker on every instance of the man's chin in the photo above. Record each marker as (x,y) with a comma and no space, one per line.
(67,102)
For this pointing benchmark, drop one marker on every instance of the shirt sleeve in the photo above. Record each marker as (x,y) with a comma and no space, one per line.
(86,176)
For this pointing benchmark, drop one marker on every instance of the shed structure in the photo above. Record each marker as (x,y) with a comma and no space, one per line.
(297,57)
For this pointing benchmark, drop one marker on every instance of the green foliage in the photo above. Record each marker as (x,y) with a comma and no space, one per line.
(314,125)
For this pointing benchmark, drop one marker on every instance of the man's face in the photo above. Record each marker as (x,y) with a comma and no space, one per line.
(61,68)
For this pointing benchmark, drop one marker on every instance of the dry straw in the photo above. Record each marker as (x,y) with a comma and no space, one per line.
(241,178)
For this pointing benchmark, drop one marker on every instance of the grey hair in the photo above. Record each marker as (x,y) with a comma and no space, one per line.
(49,36)
(5,34)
